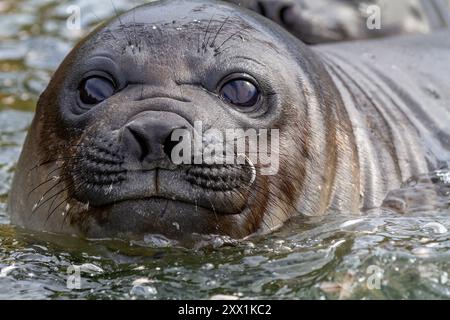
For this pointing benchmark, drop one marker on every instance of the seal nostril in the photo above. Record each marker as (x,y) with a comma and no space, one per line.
(142,140)
(169,145)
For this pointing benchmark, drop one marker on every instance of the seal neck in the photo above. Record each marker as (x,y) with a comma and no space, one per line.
(374,116)
(332,175)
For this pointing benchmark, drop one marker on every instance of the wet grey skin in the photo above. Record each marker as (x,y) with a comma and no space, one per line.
(356,120)
(321,21)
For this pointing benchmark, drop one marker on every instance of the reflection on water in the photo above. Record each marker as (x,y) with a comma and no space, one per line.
(374,256)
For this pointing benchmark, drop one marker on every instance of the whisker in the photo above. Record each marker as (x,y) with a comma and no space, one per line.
(204,45)
(218,31)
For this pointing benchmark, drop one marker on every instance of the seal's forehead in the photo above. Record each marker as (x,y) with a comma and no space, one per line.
(191,16)
(169,11)
(182,30)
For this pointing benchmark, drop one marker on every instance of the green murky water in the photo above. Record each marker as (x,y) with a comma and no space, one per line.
(375,256)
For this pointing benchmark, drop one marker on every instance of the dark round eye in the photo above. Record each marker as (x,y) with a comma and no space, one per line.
(240,92)
(95,89)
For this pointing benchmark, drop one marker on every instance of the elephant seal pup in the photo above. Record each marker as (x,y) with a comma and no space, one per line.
(320,21)
(354,121)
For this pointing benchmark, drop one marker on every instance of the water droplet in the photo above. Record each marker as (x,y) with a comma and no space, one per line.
(6,270)
(422,252)
(444,277)
(436,227)
(350,223)
(90,268)
(141,281)
(208,266)
(140,268)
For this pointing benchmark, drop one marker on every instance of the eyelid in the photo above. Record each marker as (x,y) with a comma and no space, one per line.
(99,73)
(103,63)
(238,76)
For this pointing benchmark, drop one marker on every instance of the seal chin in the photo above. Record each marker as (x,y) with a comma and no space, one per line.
(189,199)
(134,218)
(220,189)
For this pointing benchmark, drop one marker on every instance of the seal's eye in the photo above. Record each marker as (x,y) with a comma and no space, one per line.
(95,89)
(240,92)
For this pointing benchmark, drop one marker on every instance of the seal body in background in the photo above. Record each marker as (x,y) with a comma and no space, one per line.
(354,120)
(320,21)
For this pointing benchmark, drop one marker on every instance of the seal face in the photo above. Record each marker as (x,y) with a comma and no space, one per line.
(320,21)
(96,161)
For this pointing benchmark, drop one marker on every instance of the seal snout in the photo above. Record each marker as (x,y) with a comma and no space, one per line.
(138,162)
(219,177)
(147,138)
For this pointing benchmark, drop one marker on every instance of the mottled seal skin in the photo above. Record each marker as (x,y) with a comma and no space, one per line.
(355,120)
(321,21)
